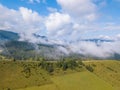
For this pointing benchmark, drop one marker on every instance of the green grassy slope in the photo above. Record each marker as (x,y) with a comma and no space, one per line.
(21,74)
(77,81)
(107,70)
(27,75)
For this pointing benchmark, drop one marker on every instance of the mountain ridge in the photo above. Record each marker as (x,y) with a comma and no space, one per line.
(11,46)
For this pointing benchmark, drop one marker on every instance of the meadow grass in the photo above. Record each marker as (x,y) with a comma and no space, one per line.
(13,75)
(27,75)
(108,70)
(77,81)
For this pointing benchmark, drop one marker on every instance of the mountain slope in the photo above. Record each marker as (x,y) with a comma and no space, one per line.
(10,46)
(7,35)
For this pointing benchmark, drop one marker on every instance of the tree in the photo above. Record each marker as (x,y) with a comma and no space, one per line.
(71,63)
(49,67)
(42,64)
(64,66)
(59,64)
(14,59)
(81,63)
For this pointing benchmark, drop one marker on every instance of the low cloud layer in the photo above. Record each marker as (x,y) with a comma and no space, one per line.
(100,49)
(104,50)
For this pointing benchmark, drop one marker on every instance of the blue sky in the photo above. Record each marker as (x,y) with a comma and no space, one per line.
(60,19)
(41,7)
(110,7)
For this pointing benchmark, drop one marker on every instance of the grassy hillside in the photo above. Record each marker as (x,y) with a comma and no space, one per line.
(107,70)
(28,75)
(77,81)
(21,74)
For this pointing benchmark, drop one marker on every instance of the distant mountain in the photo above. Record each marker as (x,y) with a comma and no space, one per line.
(42,37)
(18,49)
(10,46)
(97,40)
(7,35)
(24,50)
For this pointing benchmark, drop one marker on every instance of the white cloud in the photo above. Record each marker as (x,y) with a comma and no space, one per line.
(35,1)
(104,50)
(91,17)
(52,10)
(29,16)
(24,21)
(79,8)
(32,1)
(105,37)
(118,37)
(57,24)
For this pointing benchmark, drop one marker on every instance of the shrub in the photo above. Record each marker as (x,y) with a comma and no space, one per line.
(72,64)
(64,66)
(93,65)
(59,64)
(81,63)
(89,68)
(49,67)
(27,71)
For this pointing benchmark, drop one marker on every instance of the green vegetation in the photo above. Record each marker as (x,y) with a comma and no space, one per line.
(21,74)
(62,65)
(66,74)
(26,50)
(89,68)
(108,70)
